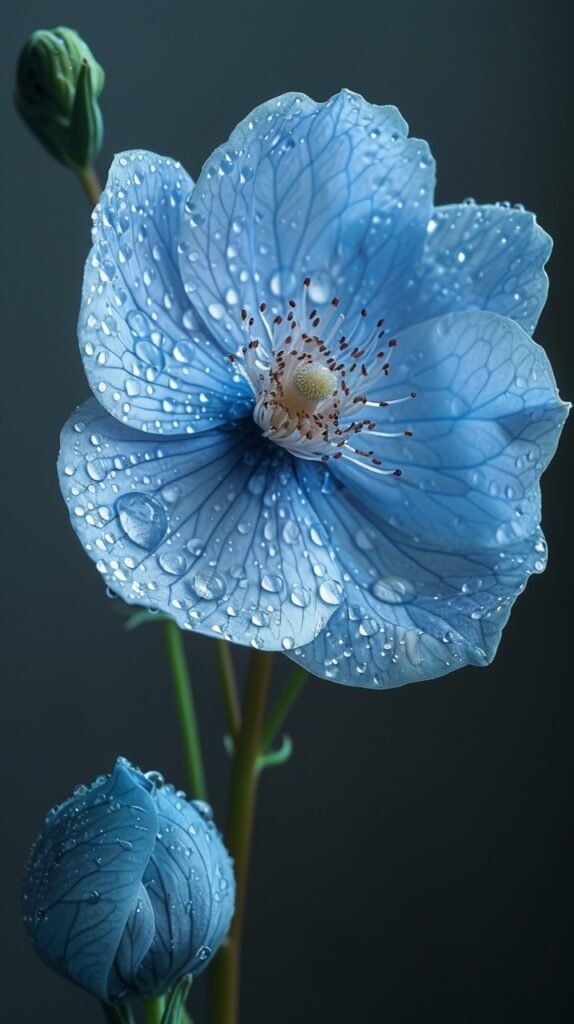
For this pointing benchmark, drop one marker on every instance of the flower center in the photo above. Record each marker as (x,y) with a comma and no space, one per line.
(314,383)
(309,374)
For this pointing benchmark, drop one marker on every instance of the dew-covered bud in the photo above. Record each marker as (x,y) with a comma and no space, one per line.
(58,83)
(128,888)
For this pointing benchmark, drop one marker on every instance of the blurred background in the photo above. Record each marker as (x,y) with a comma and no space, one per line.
(412,861)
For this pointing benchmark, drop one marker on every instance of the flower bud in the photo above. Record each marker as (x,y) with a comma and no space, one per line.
(58,83)
(128,888)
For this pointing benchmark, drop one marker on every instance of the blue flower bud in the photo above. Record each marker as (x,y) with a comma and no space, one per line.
(128,887)
(58,83)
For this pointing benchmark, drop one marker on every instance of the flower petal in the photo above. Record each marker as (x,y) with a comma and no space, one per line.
(136,941)
(335,191)
(485,422)
(478,257)
(84,877)
(190,883)
(211,529)
(410,611)
(148,357)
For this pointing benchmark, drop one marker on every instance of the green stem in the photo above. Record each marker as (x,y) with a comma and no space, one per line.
(90,183)
(117,1013)
(153,1010)
(224,993)
(282,707)
(186,710)
(228,686)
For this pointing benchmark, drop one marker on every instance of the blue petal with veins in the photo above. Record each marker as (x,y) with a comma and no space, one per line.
(479,257)
(409,609)
(485,422)
(148,357)
(211,528)
(84,876)
(335,190)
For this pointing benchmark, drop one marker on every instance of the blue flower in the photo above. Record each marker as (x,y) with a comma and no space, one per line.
(129,887)
(328,418)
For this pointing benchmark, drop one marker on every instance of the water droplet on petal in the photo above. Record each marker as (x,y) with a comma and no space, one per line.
(142,519)
(273,584)
(203,809)
(368,626)
(172,563)
(282,282)
(195,546)
(331,592)
(300,596)
(156,778)
(290,532)
(216,310)
(209,585)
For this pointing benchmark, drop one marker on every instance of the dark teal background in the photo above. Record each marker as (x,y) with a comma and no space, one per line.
(413,861)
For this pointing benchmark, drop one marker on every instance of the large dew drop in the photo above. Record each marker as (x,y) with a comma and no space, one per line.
(142,519)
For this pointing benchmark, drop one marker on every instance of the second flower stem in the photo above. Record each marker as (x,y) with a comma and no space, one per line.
(153,1010)
(224,1002)
(186,710)
(228,685)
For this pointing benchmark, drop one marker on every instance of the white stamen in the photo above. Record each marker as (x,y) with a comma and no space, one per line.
(309,379)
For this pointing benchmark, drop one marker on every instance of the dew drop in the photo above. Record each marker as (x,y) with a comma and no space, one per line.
(320,289)
(142,519)
(97,469)
(208,584)
(195,546)
(290,532)
(172,563)
(156,779)
(368,626)
(318,535)
(300,596)
(216,310)
(331,592)
(203,809)
(282,282)
(260,619)
(139,324)
(271,583)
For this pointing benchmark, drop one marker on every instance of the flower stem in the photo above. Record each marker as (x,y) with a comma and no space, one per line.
(153,1010)
(282,707)
(224,994)
(90,183)
(186,710)
(228,686)
(117,1013)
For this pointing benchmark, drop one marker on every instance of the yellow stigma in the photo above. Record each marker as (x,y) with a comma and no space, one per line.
(315,382)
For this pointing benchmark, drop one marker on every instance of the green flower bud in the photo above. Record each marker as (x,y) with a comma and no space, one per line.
(58,83)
